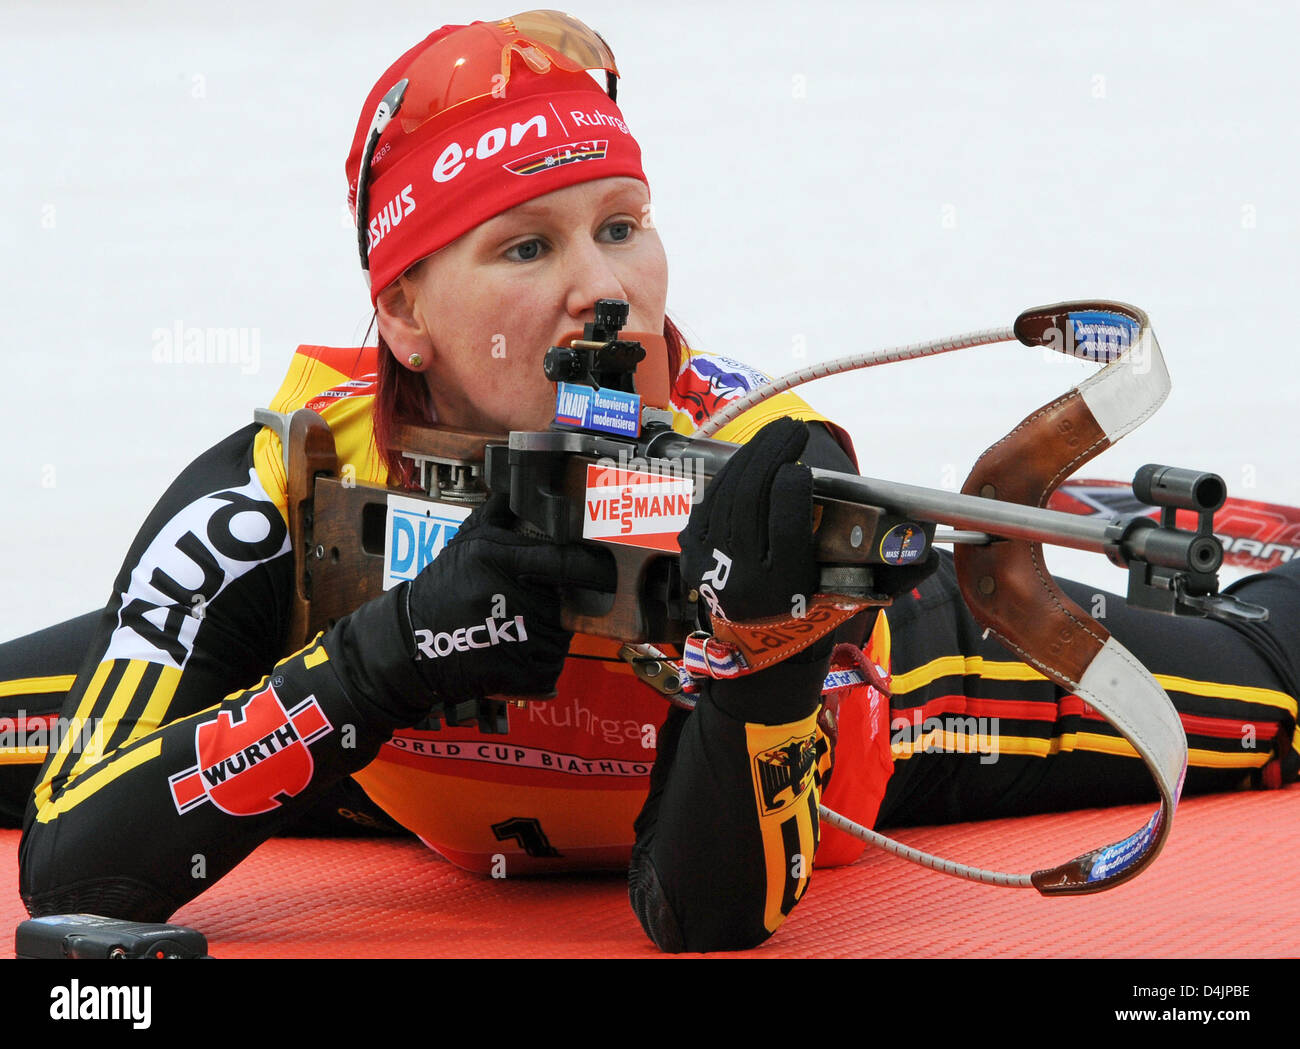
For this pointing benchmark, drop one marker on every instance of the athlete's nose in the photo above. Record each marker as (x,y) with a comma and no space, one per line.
(591,276)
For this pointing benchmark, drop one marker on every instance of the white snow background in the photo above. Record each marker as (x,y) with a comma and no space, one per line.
(827,177)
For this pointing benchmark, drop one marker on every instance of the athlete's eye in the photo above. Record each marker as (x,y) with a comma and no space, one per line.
(619,231)
(525,251)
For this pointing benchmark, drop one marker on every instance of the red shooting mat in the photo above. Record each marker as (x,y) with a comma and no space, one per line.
(1226,886)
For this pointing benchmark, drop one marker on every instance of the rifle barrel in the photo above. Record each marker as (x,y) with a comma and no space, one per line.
(1170,548)
(1123,540)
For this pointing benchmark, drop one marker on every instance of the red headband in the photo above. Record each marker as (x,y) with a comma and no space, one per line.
(430,186)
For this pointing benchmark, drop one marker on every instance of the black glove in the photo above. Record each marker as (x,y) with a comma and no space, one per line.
(748,547)
(485,614)
(483,619)
(748,550)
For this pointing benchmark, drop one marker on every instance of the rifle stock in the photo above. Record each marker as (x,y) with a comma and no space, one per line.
(339,526)
(340,534)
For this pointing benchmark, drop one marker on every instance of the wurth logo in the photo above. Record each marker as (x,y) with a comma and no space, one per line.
(251,758)
(271,743)
(491,632)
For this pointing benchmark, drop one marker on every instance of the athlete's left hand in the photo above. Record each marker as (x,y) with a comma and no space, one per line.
(748,547)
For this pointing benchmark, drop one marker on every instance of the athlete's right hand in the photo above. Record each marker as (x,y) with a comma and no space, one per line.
(485,614)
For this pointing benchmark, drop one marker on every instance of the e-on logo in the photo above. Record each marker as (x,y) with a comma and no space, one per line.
(415,533)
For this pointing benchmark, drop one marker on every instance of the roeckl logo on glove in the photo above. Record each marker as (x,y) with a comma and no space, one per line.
(463,639)
(717,576)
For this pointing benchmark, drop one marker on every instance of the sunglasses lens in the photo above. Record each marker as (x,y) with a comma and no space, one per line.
(476,61)
(574,46)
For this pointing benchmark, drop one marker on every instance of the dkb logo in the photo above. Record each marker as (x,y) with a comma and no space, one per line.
(417,531)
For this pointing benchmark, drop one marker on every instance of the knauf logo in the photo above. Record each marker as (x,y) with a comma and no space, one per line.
(606,411)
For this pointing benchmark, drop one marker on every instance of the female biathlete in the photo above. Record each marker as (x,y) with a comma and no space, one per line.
(504,198)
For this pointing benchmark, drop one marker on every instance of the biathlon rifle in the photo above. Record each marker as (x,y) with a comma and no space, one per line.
(612,470)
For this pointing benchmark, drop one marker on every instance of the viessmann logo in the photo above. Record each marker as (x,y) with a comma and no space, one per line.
(636,508)
(251,758)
